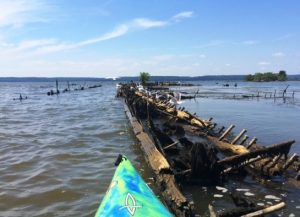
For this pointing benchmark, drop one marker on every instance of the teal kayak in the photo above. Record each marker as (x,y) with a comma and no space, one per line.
(129,195)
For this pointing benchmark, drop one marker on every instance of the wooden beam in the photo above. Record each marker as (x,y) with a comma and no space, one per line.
(171,145)
(288,163)
(236,139)
(244,140)
(265,211)
(226,132)
(252,142)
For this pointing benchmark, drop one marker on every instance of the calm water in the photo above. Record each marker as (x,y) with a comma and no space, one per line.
(57,153)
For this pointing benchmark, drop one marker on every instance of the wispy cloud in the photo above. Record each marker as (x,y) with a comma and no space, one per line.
(45,46)
(15,13)
(148,23)
(182,15)
(117,32)
(278,54)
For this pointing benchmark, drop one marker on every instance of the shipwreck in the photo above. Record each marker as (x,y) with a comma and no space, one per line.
(182,148)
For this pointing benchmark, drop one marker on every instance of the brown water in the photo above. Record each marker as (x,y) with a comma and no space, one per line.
(57,153)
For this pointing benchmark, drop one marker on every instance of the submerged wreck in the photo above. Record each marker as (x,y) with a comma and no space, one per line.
(182,149)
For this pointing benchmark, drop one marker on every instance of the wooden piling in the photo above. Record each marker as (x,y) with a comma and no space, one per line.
(57,91)
(221,130)
(226,132)
(252,142)
(273,162)
(292,159)
(244,140)
(236,139)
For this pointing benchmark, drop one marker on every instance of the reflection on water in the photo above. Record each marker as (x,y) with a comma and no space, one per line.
(57,152)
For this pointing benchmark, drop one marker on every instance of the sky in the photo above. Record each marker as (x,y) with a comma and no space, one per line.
(112,38)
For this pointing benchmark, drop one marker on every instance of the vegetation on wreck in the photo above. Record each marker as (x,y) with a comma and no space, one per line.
(144,77)
(267,76)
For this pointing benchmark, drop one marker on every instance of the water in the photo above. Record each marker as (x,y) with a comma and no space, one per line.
(57,152)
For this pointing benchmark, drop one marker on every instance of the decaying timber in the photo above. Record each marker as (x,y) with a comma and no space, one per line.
(182,147)
(165,179)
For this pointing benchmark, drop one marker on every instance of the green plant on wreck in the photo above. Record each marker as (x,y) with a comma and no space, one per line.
(144,77)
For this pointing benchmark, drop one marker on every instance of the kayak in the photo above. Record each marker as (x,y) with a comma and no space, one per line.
(129,195)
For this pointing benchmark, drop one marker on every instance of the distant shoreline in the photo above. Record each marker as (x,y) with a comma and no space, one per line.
(136,78)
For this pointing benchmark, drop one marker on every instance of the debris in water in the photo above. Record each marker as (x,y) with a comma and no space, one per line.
(260,204)
(292,215)
(218,195)
(249,194)
(272,197)
(242,189)
(224,190)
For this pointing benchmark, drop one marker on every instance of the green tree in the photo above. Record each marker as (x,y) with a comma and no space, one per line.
(258,76)
(281,75)
(249,77)
(144,77)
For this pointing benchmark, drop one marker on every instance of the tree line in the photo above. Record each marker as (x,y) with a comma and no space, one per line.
(267,76)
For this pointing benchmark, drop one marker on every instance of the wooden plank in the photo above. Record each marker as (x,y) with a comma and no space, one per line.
(164,176)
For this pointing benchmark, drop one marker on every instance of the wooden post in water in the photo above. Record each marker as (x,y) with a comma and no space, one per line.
(293,95)
(57,91)
(272,163)
(234,141)
(252,142)
(284,91)
(226,132)
(244,140)
(293,158)
(213,126)
(221,129)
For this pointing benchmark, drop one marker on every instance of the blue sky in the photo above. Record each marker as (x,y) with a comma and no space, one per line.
(164,37)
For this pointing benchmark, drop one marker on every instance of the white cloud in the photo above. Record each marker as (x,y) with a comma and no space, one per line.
(148,23)
(16,13)
(227,64)
(182,15)
(46,46)
(119,31)
(30,44)
(278,54)
(264,63)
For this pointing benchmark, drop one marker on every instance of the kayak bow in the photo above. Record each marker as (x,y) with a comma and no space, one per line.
(129,195)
